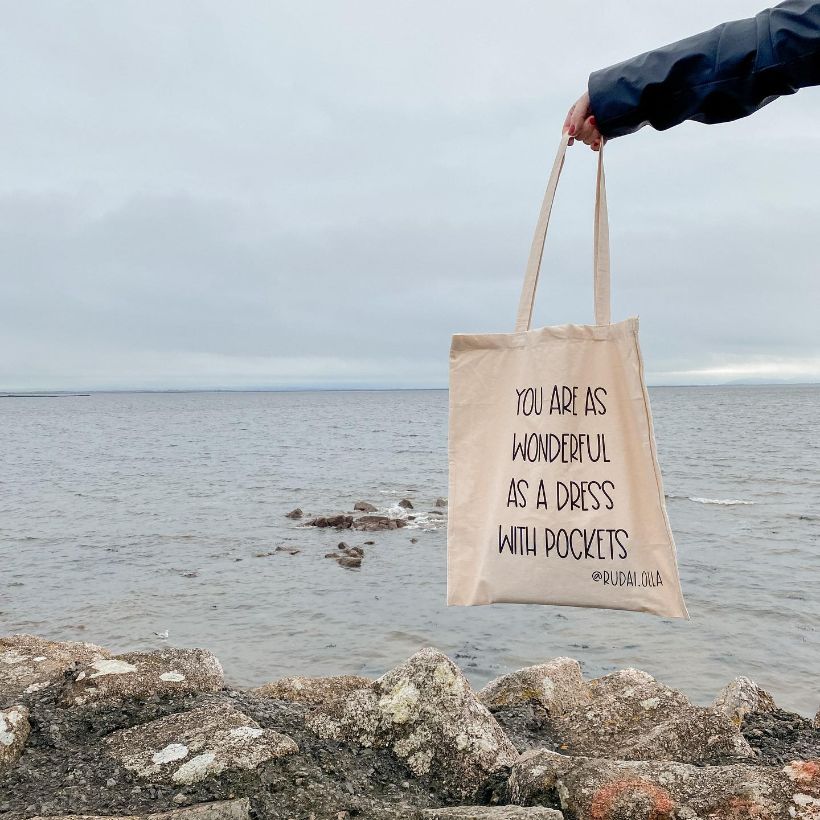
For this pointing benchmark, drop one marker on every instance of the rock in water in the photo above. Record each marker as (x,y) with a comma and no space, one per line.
(441,502)
(741,697)
(29,663)
(188,747)
(632,716)
(598,789)
(406,504)
(350,561)
(221,810)
(315,691)
(425,711)
(14,731)
(557,686)
(297,513)
(364,506)
(143,674)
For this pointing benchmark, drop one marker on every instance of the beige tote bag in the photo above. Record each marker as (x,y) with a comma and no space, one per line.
(555,491)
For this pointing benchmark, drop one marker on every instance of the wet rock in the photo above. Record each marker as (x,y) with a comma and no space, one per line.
(492,813)
(355,552)
(350,561)
(370,523)
(406,504)
(424,711)
(632,716)
(220,810)
(188,747)
(167,671)
(600,789)
(557,686)
(297,513)
(741,697)
(441,502)
(29,663)
(336,555)
(341,522)
(778,736)
(315,691)
(288,550)
(364,506)
(14,731)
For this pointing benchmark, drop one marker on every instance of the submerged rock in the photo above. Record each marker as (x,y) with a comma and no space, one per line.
(29,663)
(741,697)
(441,502)
(557,686)
(143,674)
(188,747)
(364,506)
(406,504)
(297,513)
(14,731)
(220,810)
(601,789)
(312,690)
(425,711)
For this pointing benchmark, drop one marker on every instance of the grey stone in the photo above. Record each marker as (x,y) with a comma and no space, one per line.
(14,731)
(371,523)
(350,561)
(312,690)
(492,813)
(364,506)
(142,674)
(406,504)
(424,711)
(441,502)
(741,697)
(297,513)
(557,686)
(220,810)
(29,663)
(600,789)
(188,747)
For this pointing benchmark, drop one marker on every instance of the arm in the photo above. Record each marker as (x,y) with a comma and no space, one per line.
(720,75)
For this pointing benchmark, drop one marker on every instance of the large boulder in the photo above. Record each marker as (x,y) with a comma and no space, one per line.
(14,731)
(187,747)
(425,711)
(220,810)
(314,691)
(29,663)
(600,789)
(492,813)
(143,674)
(741,697)
(631,716)
(557,686)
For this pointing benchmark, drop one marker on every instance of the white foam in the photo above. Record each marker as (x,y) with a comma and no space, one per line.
(725,502)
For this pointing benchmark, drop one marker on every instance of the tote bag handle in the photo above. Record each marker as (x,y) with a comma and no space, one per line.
(601,244)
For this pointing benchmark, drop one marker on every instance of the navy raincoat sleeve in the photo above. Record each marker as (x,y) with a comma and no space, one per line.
(719,75)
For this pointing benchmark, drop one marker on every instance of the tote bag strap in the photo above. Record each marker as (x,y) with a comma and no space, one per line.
(601,244)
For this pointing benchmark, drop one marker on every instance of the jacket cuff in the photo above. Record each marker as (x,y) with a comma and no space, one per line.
(614,102)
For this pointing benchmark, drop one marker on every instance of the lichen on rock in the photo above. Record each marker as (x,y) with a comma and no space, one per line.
(741,697)
(312,690)
(14,731)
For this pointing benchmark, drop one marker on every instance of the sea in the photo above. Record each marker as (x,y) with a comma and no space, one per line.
(141,520)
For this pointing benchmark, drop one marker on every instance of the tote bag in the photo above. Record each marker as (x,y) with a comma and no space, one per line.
(555,490)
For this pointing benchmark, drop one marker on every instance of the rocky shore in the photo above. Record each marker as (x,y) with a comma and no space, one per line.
(84,732)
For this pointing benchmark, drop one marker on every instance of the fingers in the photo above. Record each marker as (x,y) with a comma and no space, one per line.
(581,125)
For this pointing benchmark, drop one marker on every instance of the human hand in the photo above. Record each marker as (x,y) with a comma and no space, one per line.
(581,125)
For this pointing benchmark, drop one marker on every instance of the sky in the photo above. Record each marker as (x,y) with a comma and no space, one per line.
(318,194)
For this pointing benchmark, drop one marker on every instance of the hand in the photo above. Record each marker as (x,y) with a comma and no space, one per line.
(581,125)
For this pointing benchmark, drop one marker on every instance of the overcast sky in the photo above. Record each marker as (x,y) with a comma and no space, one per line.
(230,194)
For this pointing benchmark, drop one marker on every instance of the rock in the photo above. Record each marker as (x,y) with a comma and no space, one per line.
(297,513)
(314,691)
(370,523)
(364,506)
(778,736)
(167,671)
(414,540)
(406,504)
(816,721)
(333,555)
(440,502)
(600,789)
(288,550)
(29,663)
(350,561)
(355,551)
(14,731)
(341,522)
(557,686)
(424,711)
(741,697)
(492,813)
(631,716)
(221,810)
(188,747)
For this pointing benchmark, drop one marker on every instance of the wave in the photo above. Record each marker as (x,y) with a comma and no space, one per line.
(724,502)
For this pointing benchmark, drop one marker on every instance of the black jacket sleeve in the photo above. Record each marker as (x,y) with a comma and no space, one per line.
(719,75)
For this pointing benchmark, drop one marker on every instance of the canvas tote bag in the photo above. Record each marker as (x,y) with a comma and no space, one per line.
(555,491)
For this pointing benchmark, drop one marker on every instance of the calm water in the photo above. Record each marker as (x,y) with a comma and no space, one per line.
(123,515)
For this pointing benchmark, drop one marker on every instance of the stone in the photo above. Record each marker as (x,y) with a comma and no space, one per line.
(288,550)
(297,513)
(364,506)
(406,504)
(492,813)
(188,747)
(816,721)
(370,523)
(601,789)
(312,690)
(557,686)
(221,810)
(168,671)
(632,716)
(14,731)
(741,697)
(441,502)
(426,713)
(355,551)
(350,561)
(341,522)
(29,663)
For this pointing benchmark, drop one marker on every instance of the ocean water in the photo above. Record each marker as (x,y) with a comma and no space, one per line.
(126,515)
